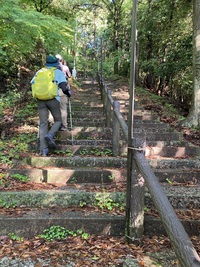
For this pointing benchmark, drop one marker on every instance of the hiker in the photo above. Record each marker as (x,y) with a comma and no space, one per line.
(52,105)
(63,98)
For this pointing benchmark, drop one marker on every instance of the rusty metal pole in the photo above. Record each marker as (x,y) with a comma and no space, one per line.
(132,72)
(135,183)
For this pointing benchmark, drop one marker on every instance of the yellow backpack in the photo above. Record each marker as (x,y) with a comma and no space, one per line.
(44,86)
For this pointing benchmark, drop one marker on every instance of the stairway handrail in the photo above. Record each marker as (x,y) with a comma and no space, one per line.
(183,247)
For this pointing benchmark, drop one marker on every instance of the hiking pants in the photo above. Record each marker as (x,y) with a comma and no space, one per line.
(44,106)
(63,109)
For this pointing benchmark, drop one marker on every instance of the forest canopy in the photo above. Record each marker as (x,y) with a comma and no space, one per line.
(96,35)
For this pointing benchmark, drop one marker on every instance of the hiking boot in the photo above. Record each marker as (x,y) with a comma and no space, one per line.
(50,141)
(45,152)
(63,128)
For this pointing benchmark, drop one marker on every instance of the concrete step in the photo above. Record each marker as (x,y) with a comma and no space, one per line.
(77,161)
(180,197)
(37,210)
(97,175)
(99,114)
(176,152)
(87,122)
(137,123)
(110,162)
(86,133)
(90,147)
(63,176)
(91,132)
(32,222)
(190,176)
(84,150)
(153,226)
(89,105)
(171,163)
(96,142)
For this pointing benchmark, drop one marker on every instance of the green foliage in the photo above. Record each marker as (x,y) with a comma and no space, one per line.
(169,181)
(11,149)
(20,177)
(67,152)
(60,233)
(157,101)
(15,237)
(7,205)
(26,36)
(97,152)
(105,202)
(165,47)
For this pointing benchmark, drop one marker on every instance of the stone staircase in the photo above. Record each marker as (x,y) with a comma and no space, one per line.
(89,184)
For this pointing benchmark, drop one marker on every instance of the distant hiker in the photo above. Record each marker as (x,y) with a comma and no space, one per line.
(63,98)
(48,101)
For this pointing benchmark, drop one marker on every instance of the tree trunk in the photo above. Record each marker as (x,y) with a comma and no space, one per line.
(193,118)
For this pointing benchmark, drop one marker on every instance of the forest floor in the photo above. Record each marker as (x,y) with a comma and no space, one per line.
(95,251)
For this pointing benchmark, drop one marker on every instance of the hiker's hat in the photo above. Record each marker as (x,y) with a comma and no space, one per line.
(52,61)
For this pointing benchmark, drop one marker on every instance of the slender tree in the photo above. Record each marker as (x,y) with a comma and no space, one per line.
(194,116)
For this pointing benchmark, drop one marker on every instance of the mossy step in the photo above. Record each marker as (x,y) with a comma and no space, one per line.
(98,114)
(63,176)
(180,197)
(77,161)
(106,150)
(94,123)
(85,133)
(84,142)
(80,108)
(66,196)
(137,123)
(169,151)
(173,176)
(153,226)
(87,102)
(85,150)
(70,197)
(96,105)
(33,222)
(163,136)
(78,175)
(76,143)
(99,133)
(110,162)
(77,121)
(173,143)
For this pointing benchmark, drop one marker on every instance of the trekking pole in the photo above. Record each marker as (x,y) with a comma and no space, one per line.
(38,136)
(70,115)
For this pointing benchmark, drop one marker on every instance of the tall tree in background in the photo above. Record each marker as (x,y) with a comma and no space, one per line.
(194,117)
(115,15)
(116,12)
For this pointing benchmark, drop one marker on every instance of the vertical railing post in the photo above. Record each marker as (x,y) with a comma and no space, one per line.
(108,110)
(101,86)
(105,100)
(116,131)
(135,194)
